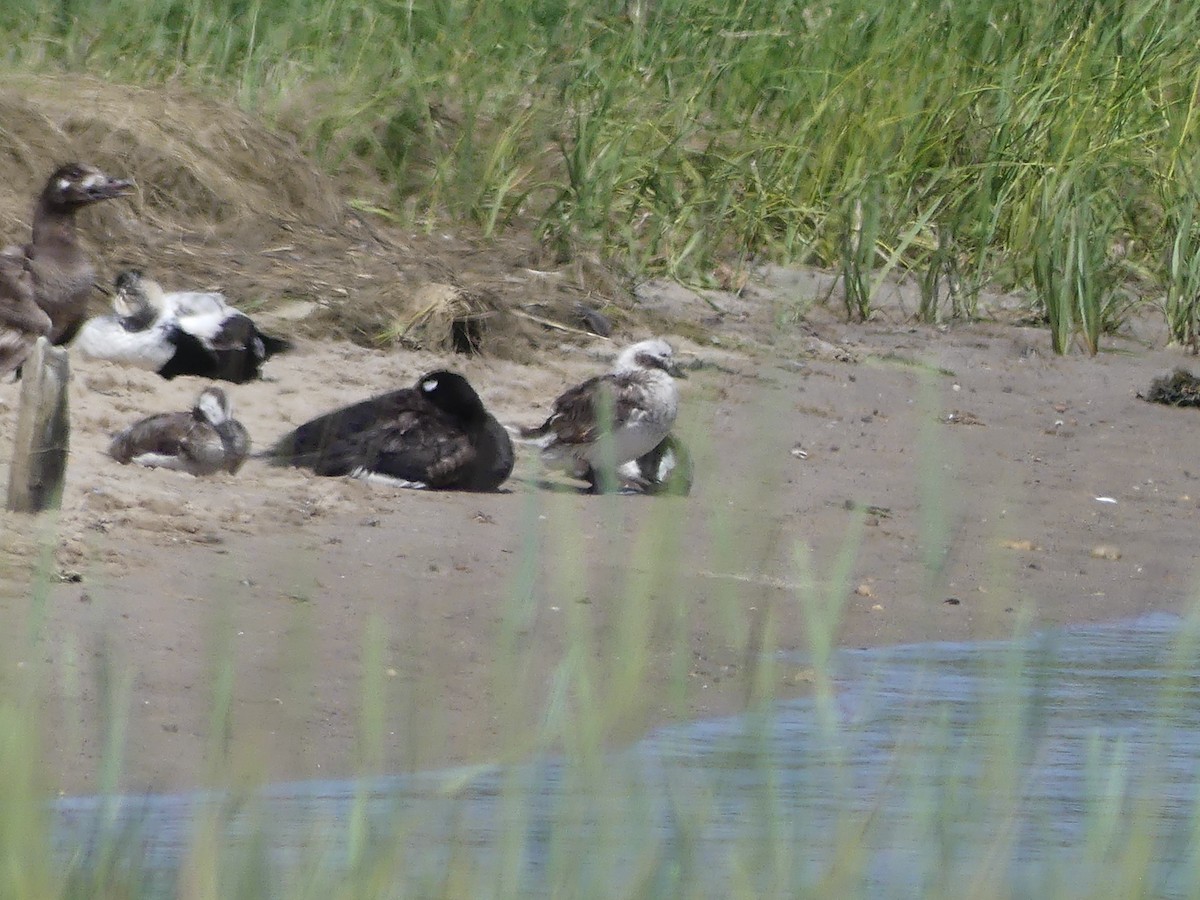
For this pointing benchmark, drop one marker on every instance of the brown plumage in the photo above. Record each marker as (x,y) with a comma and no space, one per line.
(1180,388)
(22,321)
(582,413)
(60,271)
(437,434)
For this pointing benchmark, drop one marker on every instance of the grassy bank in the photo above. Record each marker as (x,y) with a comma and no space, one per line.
(969,142)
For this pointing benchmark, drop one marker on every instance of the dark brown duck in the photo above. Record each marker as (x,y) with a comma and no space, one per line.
(59,269)
(436,435)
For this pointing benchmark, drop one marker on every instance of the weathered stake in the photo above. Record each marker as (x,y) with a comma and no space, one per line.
(39,463)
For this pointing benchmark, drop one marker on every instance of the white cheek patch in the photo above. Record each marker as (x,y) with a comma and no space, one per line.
(64,183)
(430,385)
(212,408)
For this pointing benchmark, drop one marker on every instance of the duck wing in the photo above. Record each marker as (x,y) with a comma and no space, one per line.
(208,313)
(188,355)
(235,440)
(587,410)
(400,435)
(237,346)
(18,308)
(426,447)
(163,434)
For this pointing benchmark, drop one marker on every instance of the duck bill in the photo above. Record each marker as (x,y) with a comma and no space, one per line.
(106,188)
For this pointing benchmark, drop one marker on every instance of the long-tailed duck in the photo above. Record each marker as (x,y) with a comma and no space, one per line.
(178,333)
(60,271)
(435,435)
(607,421)
(203,441)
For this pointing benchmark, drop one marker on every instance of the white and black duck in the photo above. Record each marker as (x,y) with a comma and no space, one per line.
(436,434)
(177,333)
(205,440)
(610,420)
(60,270)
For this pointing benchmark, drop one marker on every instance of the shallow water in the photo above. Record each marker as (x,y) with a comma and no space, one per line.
(931,767)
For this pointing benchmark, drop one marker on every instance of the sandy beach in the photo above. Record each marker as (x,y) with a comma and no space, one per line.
(978,484)
(965,482)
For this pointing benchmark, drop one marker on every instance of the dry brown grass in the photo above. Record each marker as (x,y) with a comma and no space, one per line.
(225,203)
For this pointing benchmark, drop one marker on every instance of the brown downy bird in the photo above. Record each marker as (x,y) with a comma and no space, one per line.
(60,271)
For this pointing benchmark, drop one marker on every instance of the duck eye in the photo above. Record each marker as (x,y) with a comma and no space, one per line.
(429,385)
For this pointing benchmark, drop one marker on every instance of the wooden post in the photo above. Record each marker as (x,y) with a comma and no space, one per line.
(39,462)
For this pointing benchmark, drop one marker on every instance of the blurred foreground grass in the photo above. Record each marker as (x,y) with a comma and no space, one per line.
(570,812)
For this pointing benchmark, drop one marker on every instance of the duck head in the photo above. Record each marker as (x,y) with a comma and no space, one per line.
(212,406)
(75,185)
(451,393)
(136,299)
(652,354)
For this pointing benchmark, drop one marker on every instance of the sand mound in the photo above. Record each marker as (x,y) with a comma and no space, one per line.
(225,203)
(201,166)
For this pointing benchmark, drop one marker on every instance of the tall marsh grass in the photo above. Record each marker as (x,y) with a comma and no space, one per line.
(925,137)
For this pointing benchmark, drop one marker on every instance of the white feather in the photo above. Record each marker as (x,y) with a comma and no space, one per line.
(211,407)
(364,474)
(194,303)
(199,313)
(205,326)
(160,461)
(104,337)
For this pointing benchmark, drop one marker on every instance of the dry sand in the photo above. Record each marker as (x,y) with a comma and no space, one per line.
(977,484)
